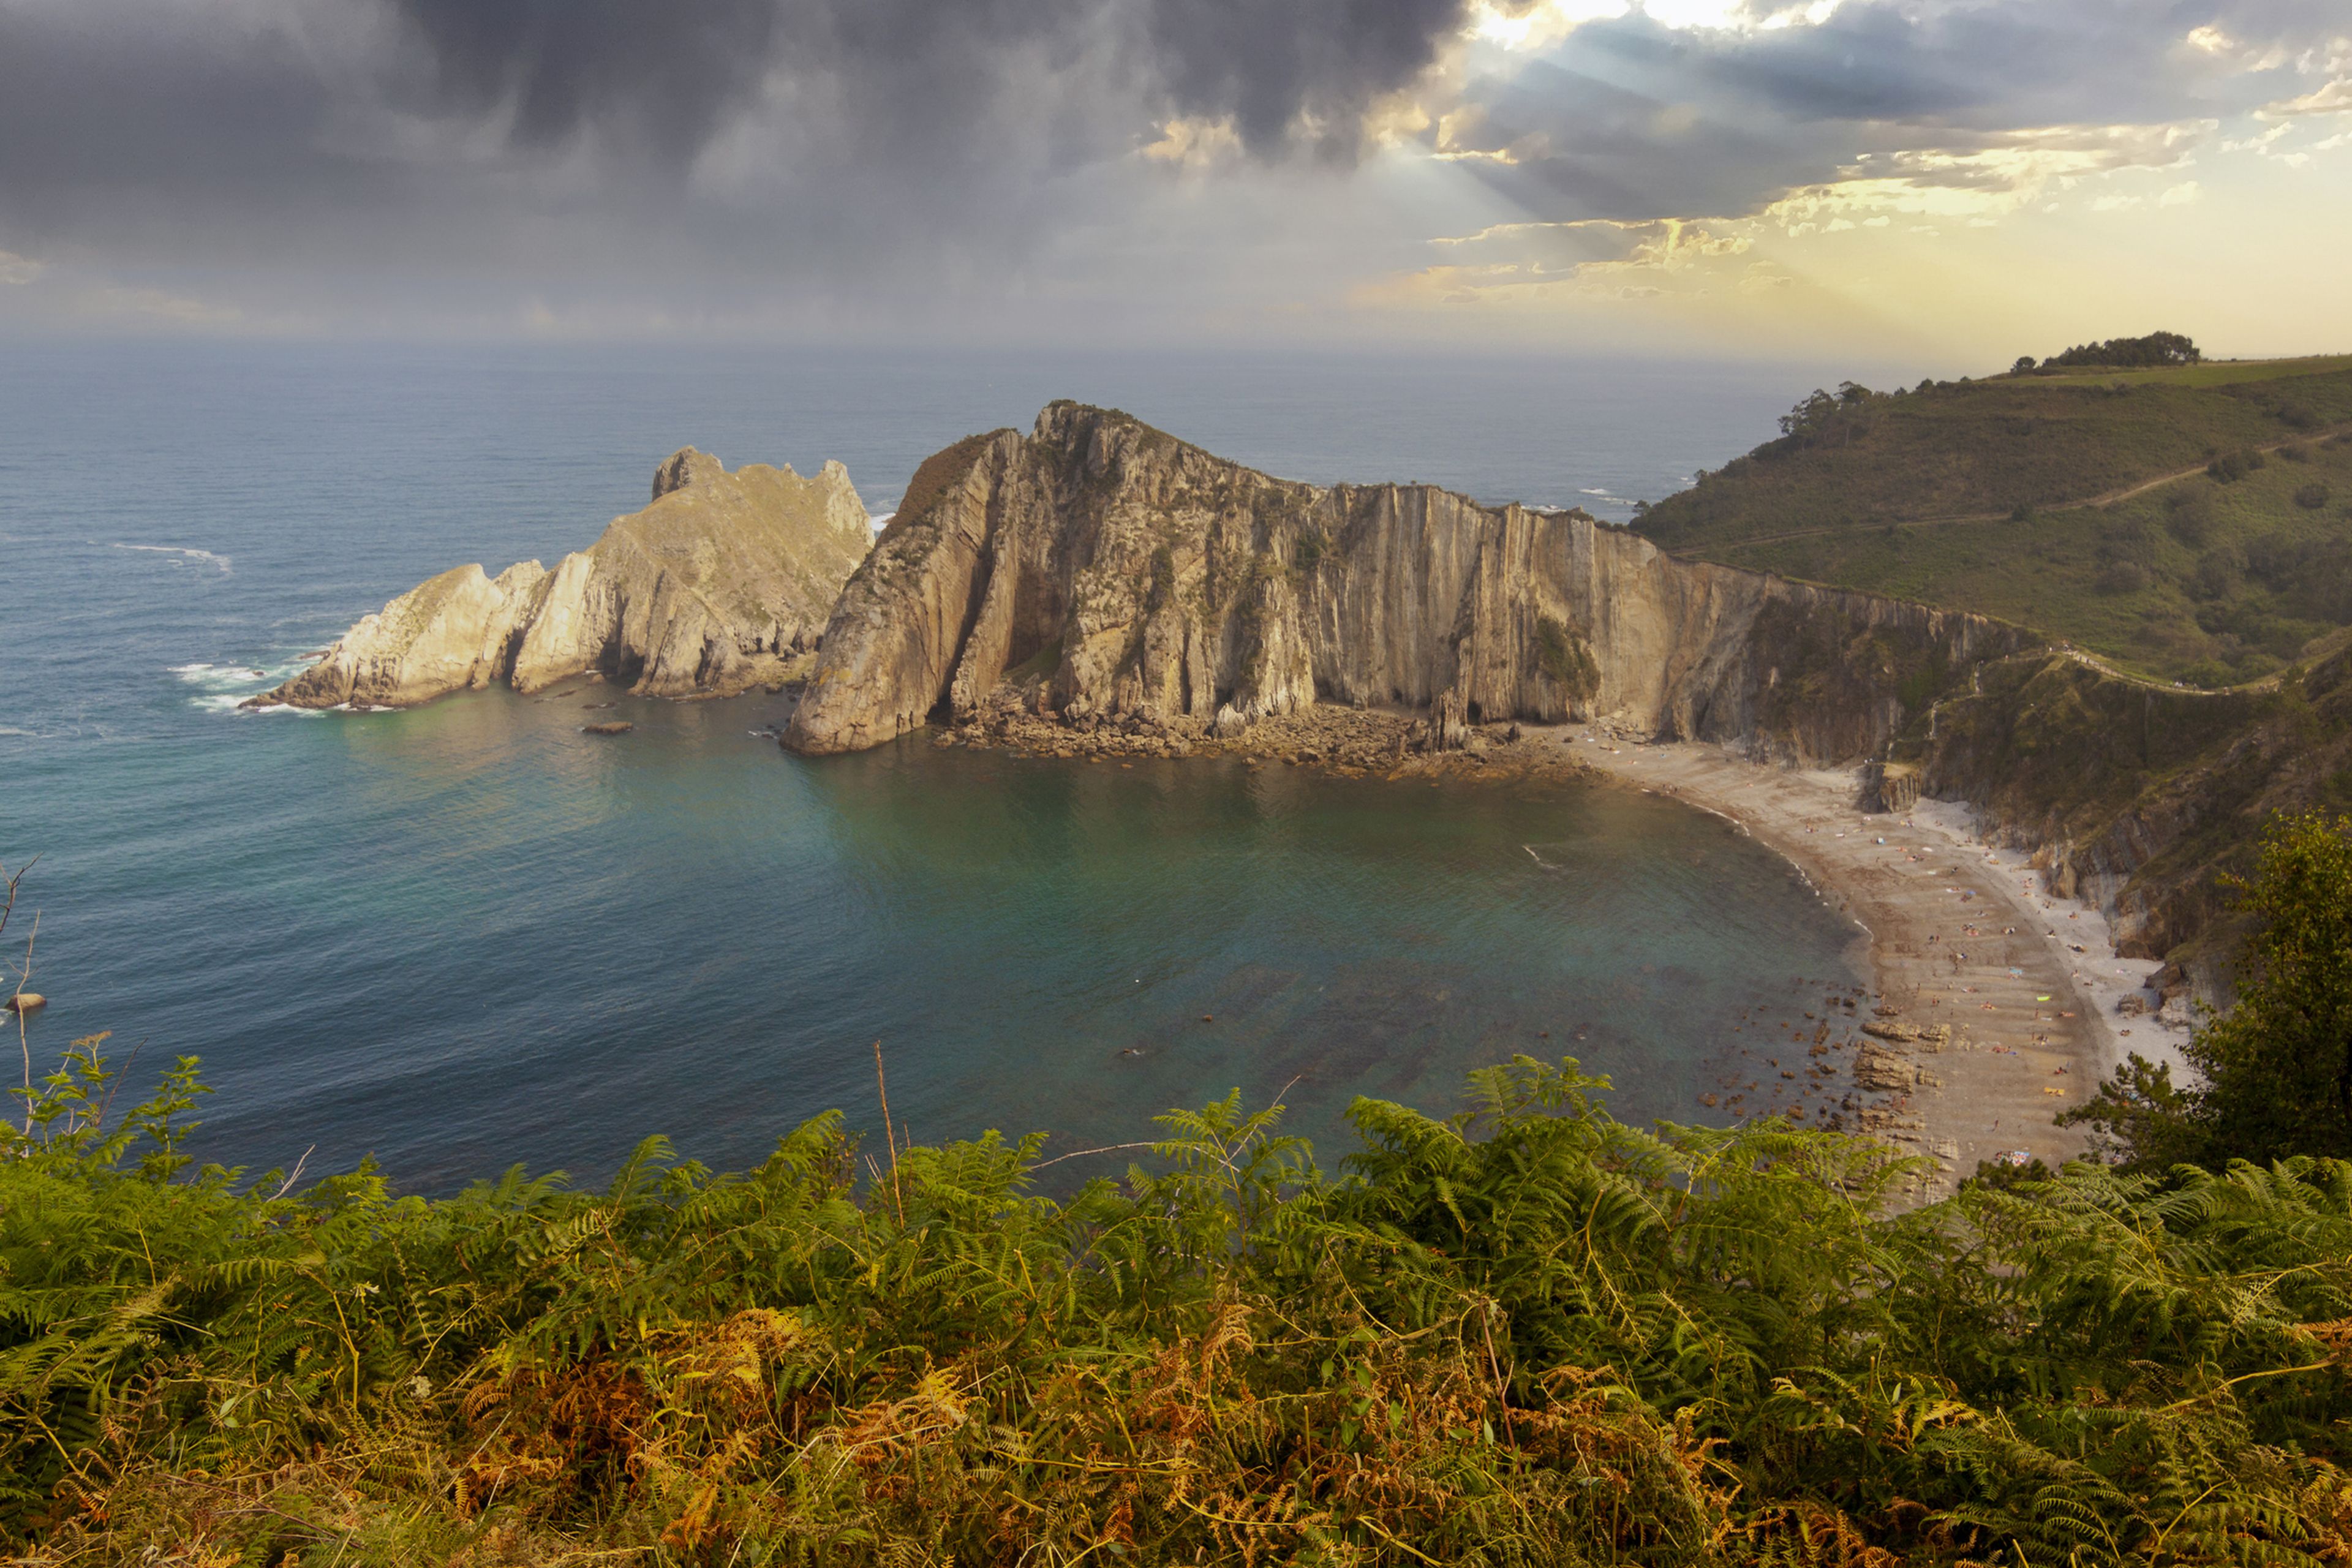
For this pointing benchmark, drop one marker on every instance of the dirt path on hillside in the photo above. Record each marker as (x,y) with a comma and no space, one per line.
(2110,498)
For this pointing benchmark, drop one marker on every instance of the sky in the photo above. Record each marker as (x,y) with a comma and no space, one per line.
(1965,178)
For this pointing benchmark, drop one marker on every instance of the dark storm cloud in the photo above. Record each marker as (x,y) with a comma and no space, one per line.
(666,71)
(1263,63)
(669,70)
(476,131)
(773,147)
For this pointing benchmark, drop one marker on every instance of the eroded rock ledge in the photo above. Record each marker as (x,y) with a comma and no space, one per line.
(1102,575)
(719,585)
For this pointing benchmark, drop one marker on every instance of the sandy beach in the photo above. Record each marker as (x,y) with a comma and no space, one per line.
(1995,1002)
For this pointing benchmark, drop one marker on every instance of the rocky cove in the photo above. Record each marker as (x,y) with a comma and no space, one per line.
(1096,587)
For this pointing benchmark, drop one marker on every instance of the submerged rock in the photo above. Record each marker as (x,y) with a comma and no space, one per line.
(722,583)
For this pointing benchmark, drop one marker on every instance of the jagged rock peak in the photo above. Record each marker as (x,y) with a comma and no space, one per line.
(684,467)
(1104,572)
(723,583)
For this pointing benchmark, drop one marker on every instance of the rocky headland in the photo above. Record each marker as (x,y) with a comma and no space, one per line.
(1099,576)
(723,583)
(1097,587)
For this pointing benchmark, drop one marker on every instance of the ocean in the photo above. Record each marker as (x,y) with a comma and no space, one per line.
(470,935)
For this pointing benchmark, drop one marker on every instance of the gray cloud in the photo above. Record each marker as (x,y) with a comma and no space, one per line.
(663,72)
(1632,120)
(668,72)
(703,152)
(713,145)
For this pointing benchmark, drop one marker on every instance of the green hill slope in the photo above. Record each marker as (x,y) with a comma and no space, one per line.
(2193,523)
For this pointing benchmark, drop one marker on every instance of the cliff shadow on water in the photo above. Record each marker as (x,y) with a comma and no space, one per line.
(1084,945)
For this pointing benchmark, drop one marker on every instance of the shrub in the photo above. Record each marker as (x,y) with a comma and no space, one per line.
(2232,466)
(2210,674)
(2311,497)
(2189,518)
(2120,577)
(2215,576)
(2276,1071)
(1563,656)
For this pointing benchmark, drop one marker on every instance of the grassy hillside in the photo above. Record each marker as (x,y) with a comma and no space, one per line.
(2195,579)
(1526,1334)
(2193,523)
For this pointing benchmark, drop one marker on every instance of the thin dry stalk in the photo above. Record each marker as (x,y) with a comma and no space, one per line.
(24,978)
(898,1198)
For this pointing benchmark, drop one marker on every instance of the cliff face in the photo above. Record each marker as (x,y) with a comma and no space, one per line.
(1150,583)
(713,588)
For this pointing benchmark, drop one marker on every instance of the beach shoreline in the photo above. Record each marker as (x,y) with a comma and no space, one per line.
(1993,1002)
(2007,993)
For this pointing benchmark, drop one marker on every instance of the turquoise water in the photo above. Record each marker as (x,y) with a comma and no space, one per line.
(470,934)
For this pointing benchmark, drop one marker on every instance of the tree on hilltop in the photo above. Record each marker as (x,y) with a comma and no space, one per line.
(2155,349)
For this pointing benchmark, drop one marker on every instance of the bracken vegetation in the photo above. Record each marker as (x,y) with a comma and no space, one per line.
(1525,1334)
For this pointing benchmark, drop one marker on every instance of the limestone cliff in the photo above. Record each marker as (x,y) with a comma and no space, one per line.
(1142,581)
(713,588)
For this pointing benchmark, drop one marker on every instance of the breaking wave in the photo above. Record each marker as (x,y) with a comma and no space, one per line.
(222,687)
(206,556)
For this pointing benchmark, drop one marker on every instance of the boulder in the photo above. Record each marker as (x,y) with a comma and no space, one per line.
(1880,1071)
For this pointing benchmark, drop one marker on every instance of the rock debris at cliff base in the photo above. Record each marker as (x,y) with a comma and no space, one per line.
(1350,743)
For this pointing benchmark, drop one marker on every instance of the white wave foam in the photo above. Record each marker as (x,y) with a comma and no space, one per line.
(204,555)
(247,678)
(227,686)
(231,702)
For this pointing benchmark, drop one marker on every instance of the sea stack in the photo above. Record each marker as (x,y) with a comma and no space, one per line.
(722,584)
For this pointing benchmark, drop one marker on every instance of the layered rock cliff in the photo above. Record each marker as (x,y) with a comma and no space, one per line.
(1121,576)
(714,588)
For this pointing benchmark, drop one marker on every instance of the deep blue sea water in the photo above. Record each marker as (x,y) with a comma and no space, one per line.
(468,935)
